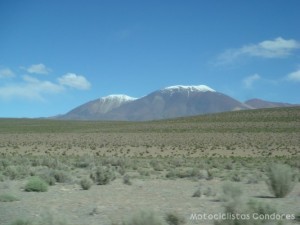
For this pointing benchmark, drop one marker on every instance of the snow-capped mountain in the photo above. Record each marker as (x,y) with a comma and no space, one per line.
(97,109)
(169,102)
(176,101)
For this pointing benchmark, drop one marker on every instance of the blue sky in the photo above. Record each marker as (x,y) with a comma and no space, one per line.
(56,55)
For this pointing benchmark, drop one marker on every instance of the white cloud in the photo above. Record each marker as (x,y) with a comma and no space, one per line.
(294,76)
(31,88)
(6,73)
(248,81)
(74,81)
(38,69)
(277,48)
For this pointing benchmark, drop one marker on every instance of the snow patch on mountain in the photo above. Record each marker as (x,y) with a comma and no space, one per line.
(197,88)
(111,102)
(118,97)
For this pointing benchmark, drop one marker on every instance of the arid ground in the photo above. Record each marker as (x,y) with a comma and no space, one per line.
(185,167)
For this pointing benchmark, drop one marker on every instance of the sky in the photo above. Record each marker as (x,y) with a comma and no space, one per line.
(56,55)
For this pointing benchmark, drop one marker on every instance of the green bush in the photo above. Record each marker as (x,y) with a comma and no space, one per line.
(36,184)
(144,218)
(86,183)
(8,198)
(102,175)
(280,180)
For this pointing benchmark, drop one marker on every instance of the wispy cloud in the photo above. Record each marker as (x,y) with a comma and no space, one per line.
(38,69)
(30,88)
(294,76)
(74,81)
(6,73)
(249,81)
(277,48)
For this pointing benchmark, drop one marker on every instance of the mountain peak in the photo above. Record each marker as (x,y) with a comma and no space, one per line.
(198,88)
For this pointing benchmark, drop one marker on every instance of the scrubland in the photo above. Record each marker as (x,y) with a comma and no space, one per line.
(156,172)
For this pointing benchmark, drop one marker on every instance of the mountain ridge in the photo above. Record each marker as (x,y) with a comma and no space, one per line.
(169,102)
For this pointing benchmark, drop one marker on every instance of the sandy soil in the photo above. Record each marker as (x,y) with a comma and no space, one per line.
(114,202)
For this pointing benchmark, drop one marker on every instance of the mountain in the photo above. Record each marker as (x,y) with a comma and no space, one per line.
(97,109)
(176,101)
(170,102)
(259,104)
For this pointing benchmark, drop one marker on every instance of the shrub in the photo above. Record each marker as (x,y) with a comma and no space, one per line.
(260,208)
(174,219)
(144,218)
(209,192)
(102,175)
(2,178)
(47,176)
(8,198)
(86,183)
(188,173)
(126,180)
(172,174)
(157,166)
(235,208)
(236,178)
(197,193)
(297,217)
(4,163)
(231,192)
(36,184)
(16,172)
(49,219)
(144,172)
(210,175)
(280,180)
(61,176)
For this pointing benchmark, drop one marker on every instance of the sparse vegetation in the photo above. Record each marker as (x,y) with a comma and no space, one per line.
(22,222)
(144,218)
(166,160)
(46,219)
(8,198)
(231,192)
